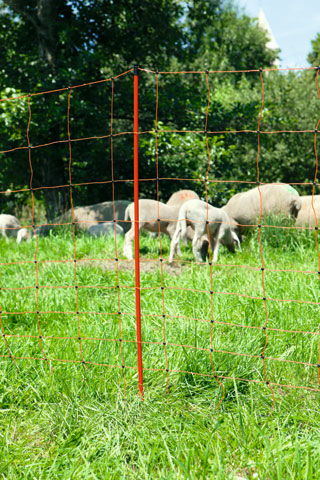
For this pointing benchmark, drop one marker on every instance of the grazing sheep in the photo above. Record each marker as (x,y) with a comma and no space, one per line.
(148,220)
(306,213)
(244,208)
(197,213)
(23,234)
(168,214)
(176,200)
(10,225)
(179,198)
(92,215)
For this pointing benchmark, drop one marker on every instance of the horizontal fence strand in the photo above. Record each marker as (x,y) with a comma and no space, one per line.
(120,316)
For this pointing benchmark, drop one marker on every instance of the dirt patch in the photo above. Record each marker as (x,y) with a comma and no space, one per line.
(145,265)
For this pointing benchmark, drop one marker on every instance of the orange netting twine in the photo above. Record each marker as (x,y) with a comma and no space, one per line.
(217,374)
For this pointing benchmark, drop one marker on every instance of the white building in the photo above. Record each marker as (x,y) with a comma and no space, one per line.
(264,24)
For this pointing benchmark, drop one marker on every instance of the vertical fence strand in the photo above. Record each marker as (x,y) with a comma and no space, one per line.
(260,247)
(136,223)
(74,233)
(34,231)
(312,201)
(115,238)
(208,233)
(161,259)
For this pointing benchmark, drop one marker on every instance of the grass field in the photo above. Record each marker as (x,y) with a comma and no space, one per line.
(63,420)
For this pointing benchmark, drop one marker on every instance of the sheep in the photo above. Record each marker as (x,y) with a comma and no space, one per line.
(244,208)
(149,212)
(90,215)
(306,213)
(179,198)
(168,214)
(176,200)
(197,213)
(10,225)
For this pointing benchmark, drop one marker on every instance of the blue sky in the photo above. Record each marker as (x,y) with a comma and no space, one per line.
(294,24)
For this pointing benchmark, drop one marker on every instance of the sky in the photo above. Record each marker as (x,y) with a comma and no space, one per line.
(294,23)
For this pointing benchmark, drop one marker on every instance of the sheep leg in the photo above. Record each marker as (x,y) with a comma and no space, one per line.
(175,244)
(127,247)
(196,245)
(216,244)
(204,247)
(128,241)
(178,249)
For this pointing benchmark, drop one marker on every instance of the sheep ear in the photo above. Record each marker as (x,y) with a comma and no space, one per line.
(236,239)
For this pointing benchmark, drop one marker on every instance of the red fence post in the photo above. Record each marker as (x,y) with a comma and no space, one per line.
(136,221)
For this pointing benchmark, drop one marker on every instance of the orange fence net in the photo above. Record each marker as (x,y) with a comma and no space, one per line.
(160,314)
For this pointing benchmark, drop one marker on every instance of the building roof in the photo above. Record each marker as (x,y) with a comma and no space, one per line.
(264,24)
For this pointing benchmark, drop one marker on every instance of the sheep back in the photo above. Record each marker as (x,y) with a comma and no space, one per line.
(244,207)
(180,197)
(94,214)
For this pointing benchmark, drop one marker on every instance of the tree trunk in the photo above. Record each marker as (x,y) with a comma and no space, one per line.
(47,17)
(57,200)
(43,18)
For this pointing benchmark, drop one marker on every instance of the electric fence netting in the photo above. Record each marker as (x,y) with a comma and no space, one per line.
(140,330)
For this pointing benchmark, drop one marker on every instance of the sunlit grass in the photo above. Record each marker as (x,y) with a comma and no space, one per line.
(63,420)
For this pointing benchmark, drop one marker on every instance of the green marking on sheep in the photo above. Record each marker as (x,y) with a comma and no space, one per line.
(292,190)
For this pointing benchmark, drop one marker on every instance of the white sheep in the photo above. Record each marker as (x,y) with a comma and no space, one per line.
(180,197)
(149,213)
(89,215)
(176,200)
(244,207)
(203,217)
(10,225)
(306,215)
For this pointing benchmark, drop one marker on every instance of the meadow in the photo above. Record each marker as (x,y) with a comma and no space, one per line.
(69,401)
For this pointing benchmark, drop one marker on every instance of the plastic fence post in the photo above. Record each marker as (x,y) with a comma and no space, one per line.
(136,223)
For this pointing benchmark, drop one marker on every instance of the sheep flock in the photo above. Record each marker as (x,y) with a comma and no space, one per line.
(184,217)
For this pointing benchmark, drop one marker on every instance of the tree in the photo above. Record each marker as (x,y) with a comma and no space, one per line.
(314,56)
(219,37)
(49,44)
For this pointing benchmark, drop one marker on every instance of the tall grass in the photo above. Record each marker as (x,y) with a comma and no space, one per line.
(62,420)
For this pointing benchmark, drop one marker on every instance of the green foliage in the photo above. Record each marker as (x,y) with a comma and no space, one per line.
(83,41)
(291,104)
(314,55)
(107,38)
(63,43)
(231,41)
(188,153)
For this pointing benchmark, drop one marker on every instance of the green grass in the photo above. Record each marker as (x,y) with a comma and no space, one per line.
(60,420)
